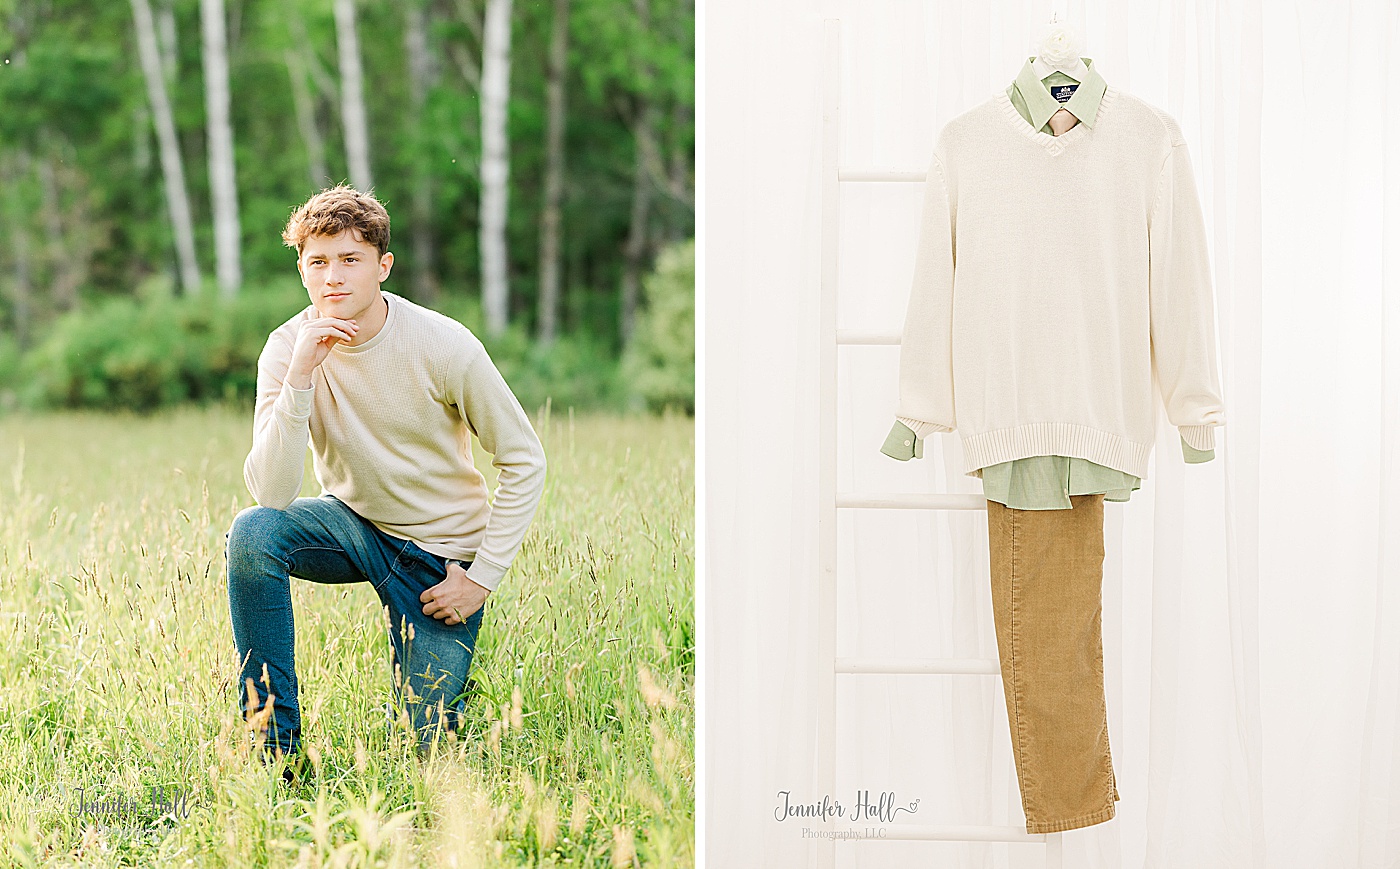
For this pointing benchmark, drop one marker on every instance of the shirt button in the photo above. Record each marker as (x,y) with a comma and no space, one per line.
(906,443)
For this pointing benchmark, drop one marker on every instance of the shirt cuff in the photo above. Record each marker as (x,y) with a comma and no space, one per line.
(1194,456)
(902,444)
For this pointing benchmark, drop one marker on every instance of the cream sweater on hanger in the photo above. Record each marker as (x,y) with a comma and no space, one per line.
(1050,348)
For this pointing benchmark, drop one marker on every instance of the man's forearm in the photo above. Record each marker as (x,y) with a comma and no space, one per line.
(520,485)
(274,467)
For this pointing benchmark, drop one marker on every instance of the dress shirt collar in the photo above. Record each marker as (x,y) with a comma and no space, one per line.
(1083,104)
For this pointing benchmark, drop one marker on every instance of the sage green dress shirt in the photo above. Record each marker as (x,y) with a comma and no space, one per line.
(1044,482)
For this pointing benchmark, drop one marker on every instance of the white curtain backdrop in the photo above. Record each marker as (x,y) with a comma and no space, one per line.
(1251,603)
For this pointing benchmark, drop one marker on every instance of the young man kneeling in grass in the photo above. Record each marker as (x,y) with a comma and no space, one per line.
(389,395)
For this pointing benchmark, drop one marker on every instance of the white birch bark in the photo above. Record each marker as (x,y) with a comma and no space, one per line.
(634,251)
(352,96)
(550,221)
(177,196)
(495,163)
(223,184)
(13,171)
(304,104)
(420,75)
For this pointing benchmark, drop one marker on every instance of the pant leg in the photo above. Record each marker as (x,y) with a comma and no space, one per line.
(318,539)
(431,659)
(1047,580)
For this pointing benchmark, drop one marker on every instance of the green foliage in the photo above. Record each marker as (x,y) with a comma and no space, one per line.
(9,371)
(576,371)
(144,353)
(154,350)
(660,363)
(77,113)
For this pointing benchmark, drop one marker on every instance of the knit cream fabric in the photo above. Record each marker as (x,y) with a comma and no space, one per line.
(1050,346)
(390,423)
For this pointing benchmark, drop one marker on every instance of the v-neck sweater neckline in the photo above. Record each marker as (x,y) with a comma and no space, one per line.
(1057,145)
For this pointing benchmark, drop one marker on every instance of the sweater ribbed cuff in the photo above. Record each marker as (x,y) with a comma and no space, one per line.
(1198,437)
(486,573)
(296,403)
(921,428)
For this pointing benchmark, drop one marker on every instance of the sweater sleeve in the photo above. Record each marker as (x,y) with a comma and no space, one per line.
(494,415)
(281,430)
(926,346)
(1181,302)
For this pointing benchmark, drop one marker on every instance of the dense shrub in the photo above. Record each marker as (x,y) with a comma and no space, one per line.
(660,364)
(150,351)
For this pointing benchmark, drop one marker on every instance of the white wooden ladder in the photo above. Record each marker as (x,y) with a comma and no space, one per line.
(833,176)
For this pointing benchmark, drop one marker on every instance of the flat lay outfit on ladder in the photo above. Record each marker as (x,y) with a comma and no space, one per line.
(1053,276)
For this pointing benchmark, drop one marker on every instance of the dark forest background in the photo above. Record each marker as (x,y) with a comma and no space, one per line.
(536,158)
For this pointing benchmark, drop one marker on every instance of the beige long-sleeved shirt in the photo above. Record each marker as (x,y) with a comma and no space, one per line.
(390,423)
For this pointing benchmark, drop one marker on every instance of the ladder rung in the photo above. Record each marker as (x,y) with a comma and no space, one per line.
(850,500)
(880,174)
(868,339)
(920,666)
(949,833)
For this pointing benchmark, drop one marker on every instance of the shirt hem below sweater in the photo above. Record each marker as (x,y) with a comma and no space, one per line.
(1054,438)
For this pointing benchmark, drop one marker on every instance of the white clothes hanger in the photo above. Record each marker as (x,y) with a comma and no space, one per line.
(1058,50)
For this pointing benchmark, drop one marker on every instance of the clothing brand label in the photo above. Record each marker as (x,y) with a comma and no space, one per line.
(1062,92)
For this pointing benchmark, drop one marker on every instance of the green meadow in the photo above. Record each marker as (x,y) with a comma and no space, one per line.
(121,743)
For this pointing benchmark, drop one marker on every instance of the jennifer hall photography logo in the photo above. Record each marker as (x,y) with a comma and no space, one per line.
(147,813)
(874,813)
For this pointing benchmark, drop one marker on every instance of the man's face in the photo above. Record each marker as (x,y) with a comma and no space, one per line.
(342,274)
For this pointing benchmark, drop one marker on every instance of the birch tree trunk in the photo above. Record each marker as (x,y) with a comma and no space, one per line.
(420,72)
(352,96)
(177,196)
(644,135)
(305,107)
(553,174)
(634,251)
(12,171)
(23,290)
(68,252)
(223,185)
(165,40)
(495,163)
(680,177)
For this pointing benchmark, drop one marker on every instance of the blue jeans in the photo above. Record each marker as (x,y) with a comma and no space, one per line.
(323,540)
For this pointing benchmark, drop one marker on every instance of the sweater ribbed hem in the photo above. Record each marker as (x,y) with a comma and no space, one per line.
(1055,439)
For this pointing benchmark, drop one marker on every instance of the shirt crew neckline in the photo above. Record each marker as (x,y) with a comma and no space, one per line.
(379,336)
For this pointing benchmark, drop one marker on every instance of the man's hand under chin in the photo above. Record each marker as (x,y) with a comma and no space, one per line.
(455,598)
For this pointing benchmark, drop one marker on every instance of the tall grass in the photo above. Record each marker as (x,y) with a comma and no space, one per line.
(118,665)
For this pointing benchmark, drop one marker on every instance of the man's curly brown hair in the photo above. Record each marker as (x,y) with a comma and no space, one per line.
(336,209)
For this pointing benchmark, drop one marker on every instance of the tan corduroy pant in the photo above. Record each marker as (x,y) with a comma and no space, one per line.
(1047,580)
